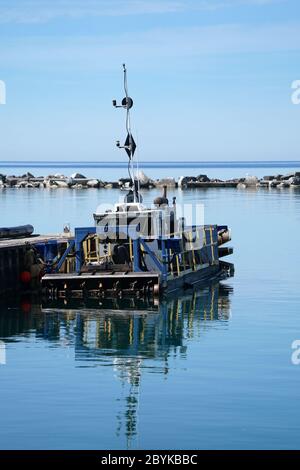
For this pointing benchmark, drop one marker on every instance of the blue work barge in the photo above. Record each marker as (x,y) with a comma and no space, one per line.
(91,265)
(108,266)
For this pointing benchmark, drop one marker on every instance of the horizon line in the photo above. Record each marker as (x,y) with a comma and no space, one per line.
(147,162)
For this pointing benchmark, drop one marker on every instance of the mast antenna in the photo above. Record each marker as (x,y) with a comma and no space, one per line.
(129,145)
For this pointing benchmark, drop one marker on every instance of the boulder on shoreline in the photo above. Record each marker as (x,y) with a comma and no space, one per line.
(60,184)
(93,183)
(251,181)
(169,182)
(295,181)
(78,176)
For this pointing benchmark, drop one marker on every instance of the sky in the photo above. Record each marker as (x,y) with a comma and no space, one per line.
(210,79)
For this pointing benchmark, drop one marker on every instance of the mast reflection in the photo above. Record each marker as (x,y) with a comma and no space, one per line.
(128,339)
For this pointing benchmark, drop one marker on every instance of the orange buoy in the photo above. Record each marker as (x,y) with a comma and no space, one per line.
(25,306)
(25,277)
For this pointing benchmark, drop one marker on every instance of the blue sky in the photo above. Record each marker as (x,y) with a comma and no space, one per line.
(211,79)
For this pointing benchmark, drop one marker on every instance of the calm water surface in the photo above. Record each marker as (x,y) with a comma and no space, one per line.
(210,370)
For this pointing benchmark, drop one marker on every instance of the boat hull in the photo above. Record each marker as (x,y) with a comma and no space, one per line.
(125,285)
(200,276)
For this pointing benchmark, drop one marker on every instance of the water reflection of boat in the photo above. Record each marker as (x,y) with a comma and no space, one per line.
(27,316)
(127,340)
(149,335)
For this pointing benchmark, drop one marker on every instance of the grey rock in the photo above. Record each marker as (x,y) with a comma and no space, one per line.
(93,183)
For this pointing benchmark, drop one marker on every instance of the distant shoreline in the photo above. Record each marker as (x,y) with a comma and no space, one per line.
(80,181)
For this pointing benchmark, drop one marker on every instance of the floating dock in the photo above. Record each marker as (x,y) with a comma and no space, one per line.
(14,260)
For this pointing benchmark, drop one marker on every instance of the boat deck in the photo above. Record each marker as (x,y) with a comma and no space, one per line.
(99,275)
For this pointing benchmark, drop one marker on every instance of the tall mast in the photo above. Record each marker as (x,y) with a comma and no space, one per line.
(129,145)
